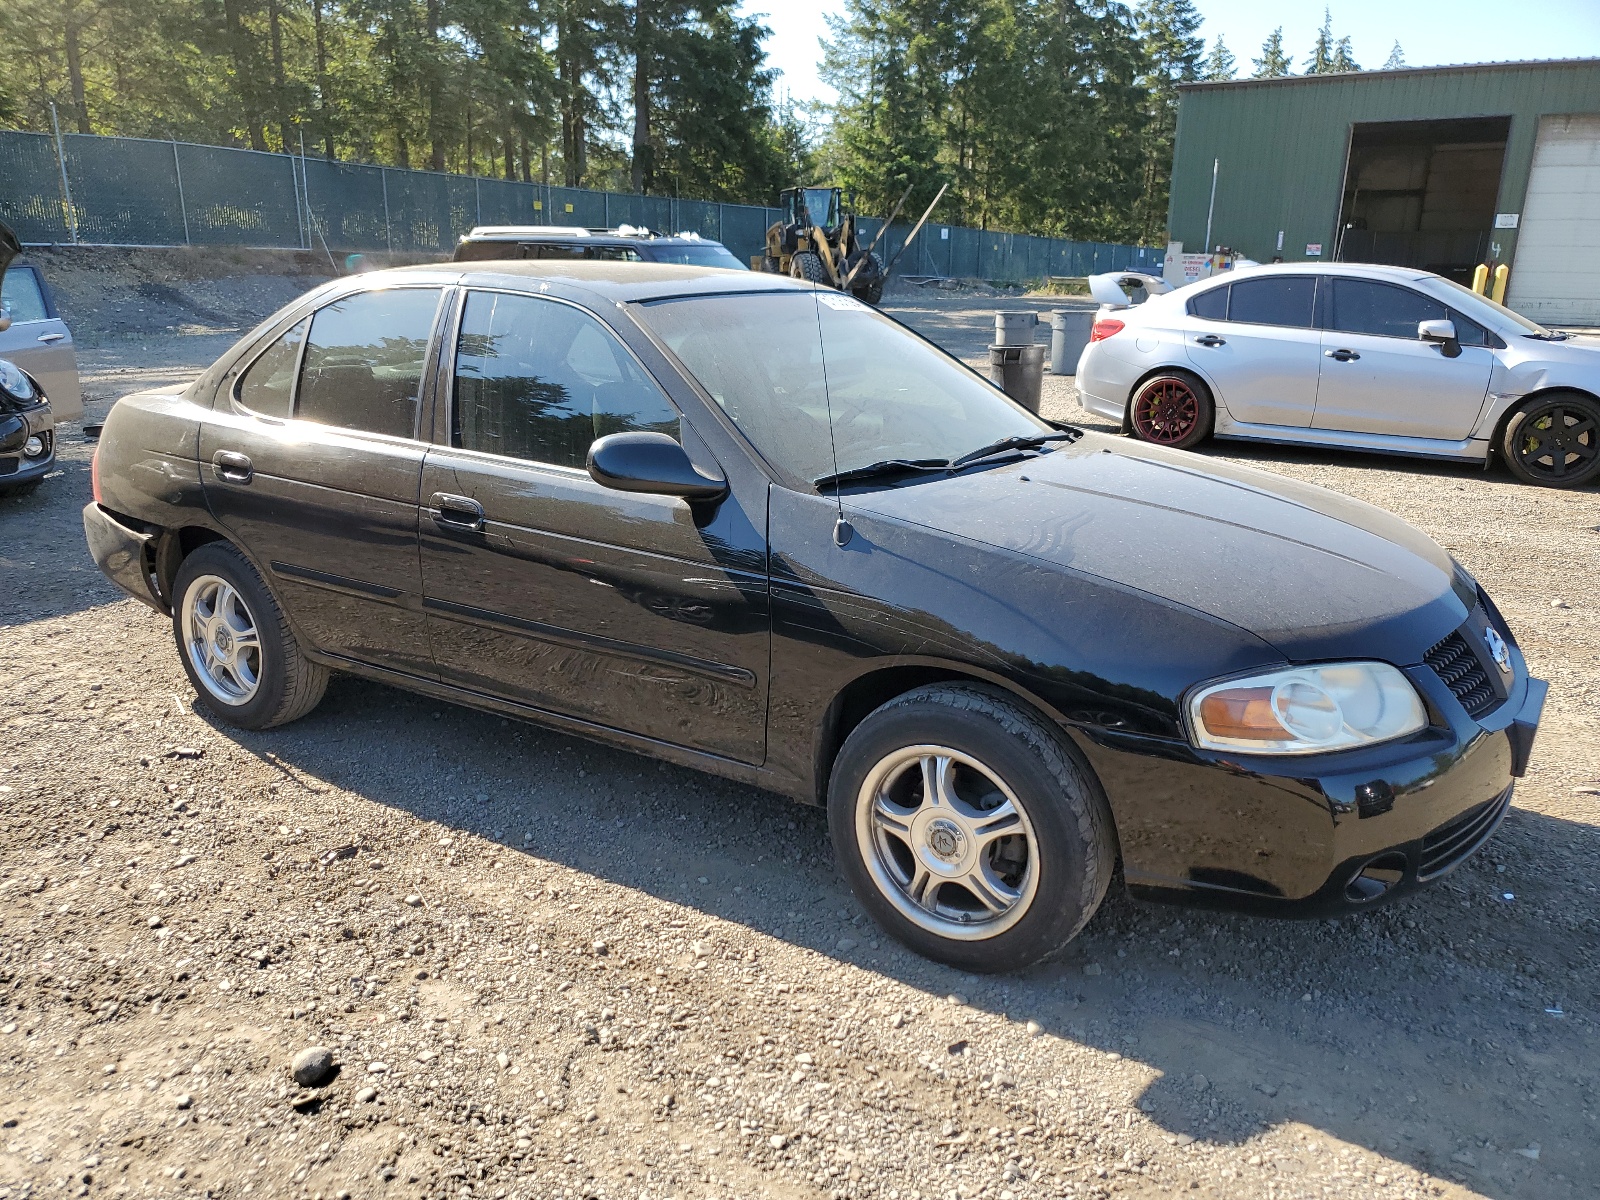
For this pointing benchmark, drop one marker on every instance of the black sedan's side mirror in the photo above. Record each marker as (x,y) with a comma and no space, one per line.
(1442,333)
(651,463)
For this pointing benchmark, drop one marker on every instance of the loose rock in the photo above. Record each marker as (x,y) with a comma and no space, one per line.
(313,1066)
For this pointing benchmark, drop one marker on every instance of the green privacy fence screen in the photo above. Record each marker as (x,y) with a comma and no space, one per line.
(138,192)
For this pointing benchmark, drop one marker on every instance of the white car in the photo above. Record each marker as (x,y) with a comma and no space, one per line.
(1387,359)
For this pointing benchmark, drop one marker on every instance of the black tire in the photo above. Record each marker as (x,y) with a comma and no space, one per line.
(288,684)
(872,291)
(1068,837)
(1554,440)
(1172,408)
(807,265)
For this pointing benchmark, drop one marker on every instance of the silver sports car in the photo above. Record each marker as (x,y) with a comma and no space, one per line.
(1390,359)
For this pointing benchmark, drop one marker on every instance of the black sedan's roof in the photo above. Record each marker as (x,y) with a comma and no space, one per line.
(620,282)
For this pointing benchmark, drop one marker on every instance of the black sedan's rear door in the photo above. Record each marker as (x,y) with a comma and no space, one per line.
(634,612)
(312,461)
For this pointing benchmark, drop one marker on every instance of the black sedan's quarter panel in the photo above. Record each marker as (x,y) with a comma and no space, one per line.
(154,475)
(331,514)
(635,612)
(1346,579)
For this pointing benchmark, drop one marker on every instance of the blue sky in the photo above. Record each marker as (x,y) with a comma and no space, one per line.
(1430,34)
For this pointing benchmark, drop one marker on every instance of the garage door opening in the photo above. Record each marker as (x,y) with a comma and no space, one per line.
(1422,193)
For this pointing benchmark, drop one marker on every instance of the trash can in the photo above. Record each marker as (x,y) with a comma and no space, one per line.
(1014,328)
(1019,371)
(1069,334)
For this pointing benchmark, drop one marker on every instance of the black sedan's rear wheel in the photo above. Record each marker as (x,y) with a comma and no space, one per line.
(236,646)
(970,829)
(1554,440)
(1172,408)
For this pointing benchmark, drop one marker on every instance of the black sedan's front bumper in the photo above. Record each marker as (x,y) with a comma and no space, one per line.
(1320,835)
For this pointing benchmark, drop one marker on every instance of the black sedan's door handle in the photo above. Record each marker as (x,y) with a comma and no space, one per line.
(1342,355)
(1210,339)
(233,467)
(456,512)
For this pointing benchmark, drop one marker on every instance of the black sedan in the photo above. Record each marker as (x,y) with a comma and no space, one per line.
(743,525)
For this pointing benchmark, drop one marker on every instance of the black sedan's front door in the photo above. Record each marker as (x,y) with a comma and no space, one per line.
(638,613)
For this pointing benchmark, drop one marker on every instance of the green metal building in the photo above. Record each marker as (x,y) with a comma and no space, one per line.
(1439,167)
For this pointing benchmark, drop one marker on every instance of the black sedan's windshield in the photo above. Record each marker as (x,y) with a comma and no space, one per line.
(779,362)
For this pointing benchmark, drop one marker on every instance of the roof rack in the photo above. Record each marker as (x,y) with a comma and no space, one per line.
(492,231)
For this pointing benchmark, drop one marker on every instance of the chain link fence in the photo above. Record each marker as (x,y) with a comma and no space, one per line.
(89,190)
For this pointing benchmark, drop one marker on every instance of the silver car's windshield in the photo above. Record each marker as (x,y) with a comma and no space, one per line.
(1467,298)
(781,364)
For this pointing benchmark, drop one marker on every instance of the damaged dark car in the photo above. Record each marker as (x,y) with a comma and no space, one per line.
(749,526)
(27,425)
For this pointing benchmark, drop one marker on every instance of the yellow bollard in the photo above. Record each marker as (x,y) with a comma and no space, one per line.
(1480,279)
(1501,274)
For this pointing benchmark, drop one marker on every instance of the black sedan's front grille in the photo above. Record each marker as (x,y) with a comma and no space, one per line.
(1456,839)
(1463,672)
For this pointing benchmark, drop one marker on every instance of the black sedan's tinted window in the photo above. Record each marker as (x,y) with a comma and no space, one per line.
(1380,309)
(1278,300)
(363,361)
(541,380)
(267,386)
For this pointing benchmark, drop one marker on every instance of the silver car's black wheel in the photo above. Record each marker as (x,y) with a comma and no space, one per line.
(236,645)
(1554,440)
(969,827)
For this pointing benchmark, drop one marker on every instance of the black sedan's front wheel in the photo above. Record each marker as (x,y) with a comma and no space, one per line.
(969,828)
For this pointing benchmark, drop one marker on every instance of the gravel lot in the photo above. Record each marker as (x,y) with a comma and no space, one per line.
(548,969)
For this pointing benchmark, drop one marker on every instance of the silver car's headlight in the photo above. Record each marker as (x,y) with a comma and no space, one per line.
(1306,710)
(15,382)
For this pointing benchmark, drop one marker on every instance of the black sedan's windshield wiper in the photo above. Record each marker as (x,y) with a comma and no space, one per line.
(878,470)
(1008,444)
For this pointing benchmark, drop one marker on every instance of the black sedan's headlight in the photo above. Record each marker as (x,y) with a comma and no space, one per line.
(16,385)
(1306,710)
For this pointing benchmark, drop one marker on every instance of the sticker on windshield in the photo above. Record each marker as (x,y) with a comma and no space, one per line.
(835,300)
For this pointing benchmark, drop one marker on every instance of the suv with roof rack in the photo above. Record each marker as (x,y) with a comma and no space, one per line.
(625,243)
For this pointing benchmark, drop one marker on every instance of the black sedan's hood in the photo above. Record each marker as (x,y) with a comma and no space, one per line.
(1316,574)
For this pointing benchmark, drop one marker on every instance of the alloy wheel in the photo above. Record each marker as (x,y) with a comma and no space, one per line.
(1559,443)
(947,842)
(1165,411)
(220,637)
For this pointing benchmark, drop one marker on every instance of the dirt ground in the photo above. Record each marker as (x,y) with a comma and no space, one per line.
(549,969)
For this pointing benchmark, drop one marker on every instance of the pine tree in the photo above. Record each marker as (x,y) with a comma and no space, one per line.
(1273,63)
(1344,58)
(1396,60)
(1320,61)
(1219,65)
(1172,53)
